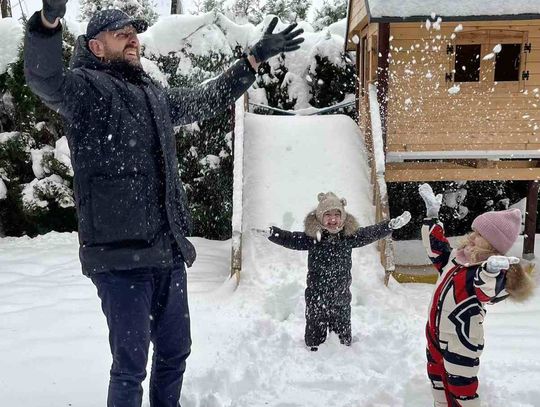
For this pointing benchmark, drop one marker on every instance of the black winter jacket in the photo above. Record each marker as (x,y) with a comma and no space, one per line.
(329,256)
(130,201)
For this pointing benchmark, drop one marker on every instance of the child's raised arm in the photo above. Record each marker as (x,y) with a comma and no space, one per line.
(370,234)
(435,242)
(290,240)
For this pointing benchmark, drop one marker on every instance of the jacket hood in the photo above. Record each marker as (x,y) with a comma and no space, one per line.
(519,283)
(312,226)
(83,57)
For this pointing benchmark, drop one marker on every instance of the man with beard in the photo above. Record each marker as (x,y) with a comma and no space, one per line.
(132,210)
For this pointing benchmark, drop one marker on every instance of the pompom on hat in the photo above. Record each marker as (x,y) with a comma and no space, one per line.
(500,228)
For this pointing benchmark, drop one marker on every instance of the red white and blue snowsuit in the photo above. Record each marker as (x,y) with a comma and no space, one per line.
(455,335)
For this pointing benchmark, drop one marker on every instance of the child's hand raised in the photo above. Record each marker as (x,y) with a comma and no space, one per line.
(433,203)
(400,221)
(495,264)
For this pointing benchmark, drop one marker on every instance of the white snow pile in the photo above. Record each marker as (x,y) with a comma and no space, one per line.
(248,347)
(400,8)
(4,137)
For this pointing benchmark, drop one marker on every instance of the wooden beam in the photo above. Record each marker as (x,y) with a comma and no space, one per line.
(394,156)
(406,172)
(383,48)
(530,220)
(358,90)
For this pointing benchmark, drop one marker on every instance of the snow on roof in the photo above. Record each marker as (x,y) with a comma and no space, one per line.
(455,8)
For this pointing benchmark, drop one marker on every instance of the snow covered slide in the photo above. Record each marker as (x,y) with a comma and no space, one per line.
(287,162)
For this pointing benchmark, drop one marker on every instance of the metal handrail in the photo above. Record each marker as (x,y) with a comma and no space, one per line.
(312,111)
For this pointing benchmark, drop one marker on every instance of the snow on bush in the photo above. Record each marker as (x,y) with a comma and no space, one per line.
(37,194)
(38,166)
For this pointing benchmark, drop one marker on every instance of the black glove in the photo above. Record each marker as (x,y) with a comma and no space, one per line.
(272,44)
(53,9)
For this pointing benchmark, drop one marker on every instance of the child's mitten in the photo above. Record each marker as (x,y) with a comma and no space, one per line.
(400,221)
(433,203)
(262,232)
(495,264)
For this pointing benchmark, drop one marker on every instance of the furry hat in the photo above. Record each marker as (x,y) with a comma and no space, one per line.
(330,201)
(519,283)
(499,228)
(313,228)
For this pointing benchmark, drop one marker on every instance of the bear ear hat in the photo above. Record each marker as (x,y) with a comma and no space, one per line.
(321,196)
(343,201)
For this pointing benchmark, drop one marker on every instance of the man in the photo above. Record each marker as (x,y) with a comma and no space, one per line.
(132,210)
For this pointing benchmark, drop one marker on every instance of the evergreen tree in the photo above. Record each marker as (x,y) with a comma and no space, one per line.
(330,12)
(244,11)
(277,8)
(144,9)
(32,127)
(331,82)
(205,6)
(298,10)
(272,78)
(204,148)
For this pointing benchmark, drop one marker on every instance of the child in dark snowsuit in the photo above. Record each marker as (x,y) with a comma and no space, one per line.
(330,235)
(472,275)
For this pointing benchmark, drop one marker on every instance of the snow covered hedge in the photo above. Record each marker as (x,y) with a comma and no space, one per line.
(178,50)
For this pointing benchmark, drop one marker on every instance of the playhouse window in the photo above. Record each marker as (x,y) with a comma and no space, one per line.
(467,66)
(507,63)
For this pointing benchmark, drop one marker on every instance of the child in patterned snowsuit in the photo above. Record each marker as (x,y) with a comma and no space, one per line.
(330,235)
(470,276)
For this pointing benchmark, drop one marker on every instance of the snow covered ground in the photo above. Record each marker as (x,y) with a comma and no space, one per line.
(248,344)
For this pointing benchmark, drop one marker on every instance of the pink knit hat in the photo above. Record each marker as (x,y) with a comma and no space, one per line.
(499,228)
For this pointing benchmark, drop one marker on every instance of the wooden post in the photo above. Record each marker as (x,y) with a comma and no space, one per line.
(358,83)
(383,62)
(5,7)
(238,148)
(176,7)
(383,48)
(530,220)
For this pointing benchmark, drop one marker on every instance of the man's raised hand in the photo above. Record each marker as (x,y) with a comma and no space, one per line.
(272,44)
(54,9)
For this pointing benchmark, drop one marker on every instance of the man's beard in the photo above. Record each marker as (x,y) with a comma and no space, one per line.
(129,69)
(131,72)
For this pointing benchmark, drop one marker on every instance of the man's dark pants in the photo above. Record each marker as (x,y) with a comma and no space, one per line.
(143,307)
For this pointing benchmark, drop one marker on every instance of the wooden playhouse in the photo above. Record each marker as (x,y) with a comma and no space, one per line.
(448,93)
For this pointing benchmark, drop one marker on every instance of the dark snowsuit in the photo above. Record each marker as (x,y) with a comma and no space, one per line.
(131,205)
(328,295)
